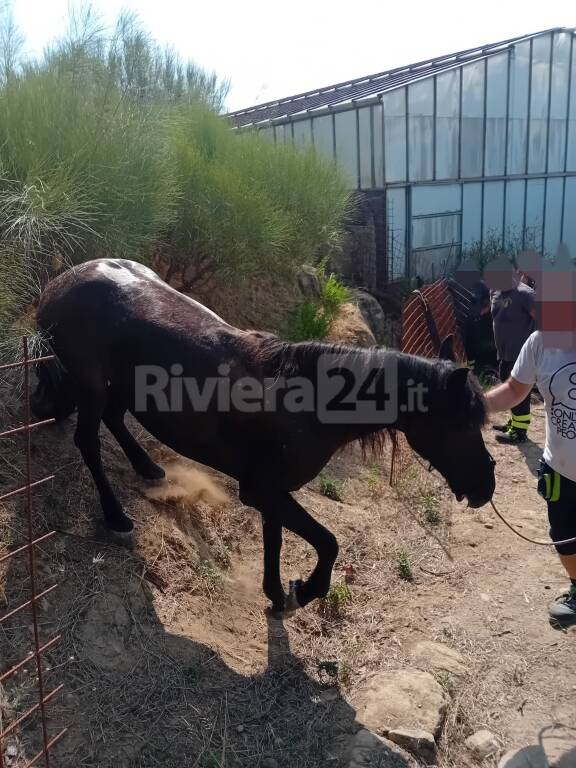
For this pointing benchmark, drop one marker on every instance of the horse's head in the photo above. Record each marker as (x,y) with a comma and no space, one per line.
(448,434)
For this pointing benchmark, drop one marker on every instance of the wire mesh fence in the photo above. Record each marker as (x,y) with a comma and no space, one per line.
(433,322)
(27,550)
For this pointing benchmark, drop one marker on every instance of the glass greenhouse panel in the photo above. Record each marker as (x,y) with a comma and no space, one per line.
(518,108)
(493,220)
(435,263)
(378,147)
(447,124)
(421,130)
(534,213)
(346,144)
(365,142)
(396,217)
(553,216)
(435,230)
(394,104)
(436,198)
(569,224)
(302,133)
(571,156)
(496,105)
(472,119)
(538,127)
(284,133)
(514,222)
(471,214)
(559,101)
(266,133)
(324,136)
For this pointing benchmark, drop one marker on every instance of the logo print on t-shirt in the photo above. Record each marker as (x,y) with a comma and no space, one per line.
(563,410)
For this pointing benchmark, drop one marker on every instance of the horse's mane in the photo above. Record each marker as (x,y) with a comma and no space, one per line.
(281,358)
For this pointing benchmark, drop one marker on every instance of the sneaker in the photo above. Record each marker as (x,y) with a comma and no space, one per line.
(513,436)
(502,427)
(563,611)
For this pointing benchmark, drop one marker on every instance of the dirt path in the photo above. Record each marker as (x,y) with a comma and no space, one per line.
(194,674)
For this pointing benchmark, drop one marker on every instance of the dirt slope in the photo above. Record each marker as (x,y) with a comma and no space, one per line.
(169,659)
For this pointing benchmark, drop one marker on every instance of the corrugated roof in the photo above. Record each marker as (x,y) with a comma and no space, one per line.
(371,85)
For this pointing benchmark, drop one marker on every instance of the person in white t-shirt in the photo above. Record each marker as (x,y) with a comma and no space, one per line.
(553,370)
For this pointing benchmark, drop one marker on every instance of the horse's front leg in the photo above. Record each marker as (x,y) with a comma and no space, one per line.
(272,540)
(296,519)
(280,508)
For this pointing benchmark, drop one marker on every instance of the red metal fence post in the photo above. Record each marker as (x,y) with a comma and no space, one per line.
(29,547)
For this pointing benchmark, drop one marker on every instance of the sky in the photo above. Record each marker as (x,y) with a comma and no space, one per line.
(270,49)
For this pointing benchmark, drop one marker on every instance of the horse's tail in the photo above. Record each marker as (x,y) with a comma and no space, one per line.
(53,397)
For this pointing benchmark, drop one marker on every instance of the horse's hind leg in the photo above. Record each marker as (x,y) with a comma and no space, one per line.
(113,417)
(91,405)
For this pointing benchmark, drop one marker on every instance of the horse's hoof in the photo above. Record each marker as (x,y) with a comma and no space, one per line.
(123,538)
(292,602)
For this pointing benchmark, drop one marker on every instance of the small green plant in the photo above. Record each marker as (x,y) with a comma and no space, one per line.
(446,681)
(431,505)
(403,566)
(307,322)
(333,294)
(332,489)
(313,319)
(328,667)
(210,574)
(334,605)
(374,477)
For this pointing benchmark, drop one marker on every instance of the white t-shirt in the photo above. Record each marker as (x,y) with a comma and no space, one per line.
(554,373)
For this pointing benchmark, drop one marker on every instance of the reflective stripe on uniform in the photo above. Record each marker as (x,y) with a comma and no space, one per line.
(555,495)
(520,422)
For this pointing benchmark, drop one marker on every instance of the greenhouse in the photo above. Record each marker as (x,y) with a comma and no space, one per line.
(469,153)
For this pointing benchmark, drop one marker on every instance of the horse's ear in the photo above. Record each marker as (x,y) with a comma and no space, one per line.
(457,381)
(446,351)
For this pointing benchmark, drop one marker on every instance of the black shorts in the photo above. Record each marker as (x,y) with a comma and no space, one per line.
(560,495)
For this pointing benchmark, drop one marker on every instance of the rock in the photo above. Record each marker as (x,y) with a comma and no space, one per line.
(438,658)
(402,698)
(367,750)
(269,762)
(308,281)
(348,327)
(527,757)
(420,743)
(482,744)
(373,314)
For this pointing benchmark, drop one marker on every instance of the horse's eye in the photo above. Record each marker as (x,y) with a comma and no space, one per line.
(430,467)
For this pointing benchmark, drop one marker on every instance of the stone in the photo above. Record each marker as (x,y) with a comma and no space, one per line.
(527,757)
(438,658)
(420,743)
(482,744)
(269,762)
(349,327)
(308,281)
(401,698)
(367,750)
(372,313)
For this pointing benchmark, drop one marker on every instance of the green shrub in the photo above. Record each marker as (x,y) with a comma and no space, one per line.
(332,489)
(403,566)
(111,146)
(312,319)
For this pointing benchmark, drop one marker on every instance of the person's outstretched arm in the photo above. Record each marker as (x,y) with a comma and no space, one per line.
(507,395)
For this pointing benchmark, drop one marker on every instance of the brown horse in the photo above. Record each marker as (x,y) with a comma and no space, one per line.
(266,412)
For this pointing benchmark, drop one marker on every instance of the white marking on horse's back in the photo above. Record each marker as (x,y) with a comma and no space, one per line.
(120,274)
